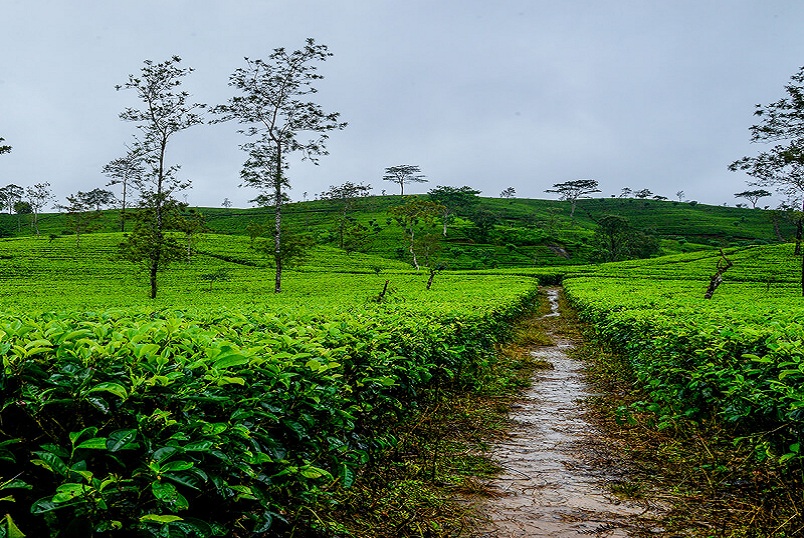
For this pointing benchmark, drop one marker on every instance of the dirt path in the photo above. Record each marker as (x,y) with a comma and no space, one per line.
(555,461)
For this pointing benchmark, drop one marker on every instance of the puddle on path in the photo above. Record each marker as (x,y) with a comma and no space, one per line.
(553,480)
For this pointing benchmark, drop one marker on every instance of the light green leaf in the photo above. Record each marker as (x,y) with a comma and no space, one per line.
(114,388)
(159,518)
(90,431)
(68,492)
(13,530)
(98,443)
(229,360)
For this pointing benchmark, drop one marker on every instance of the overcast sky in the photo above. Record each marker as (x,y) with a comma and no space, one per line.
(511,93)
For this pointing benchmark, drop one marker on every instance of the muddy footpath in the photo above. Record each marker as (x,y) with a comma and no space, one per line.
(557,465)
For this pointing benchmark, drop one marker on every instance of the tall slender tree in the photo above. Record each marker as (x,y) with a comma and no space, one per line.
(125,171)
(453,200)
(277,118)
(38,196)
(82,217)
(345,196)
(417,219)
(10,195)
(165,113)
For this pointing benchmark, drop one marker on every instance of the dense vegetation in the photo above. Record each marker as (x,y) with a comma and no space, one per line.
(133,416)
(493,233)
(120,413)
(735,359)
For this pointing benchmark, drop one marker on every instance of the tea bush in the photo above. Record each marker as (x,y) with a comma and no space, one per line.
(736,358)
(164,423)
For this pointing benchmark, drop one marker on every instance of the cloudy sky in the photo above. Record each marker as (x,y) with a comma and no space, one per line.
(511,93)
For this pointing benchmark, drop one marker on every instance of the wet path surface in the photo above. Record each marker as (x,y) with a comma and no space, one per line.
(555,463)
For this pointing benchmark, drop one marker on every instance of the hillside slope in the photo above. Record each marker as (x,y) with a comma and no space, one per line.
(523,233)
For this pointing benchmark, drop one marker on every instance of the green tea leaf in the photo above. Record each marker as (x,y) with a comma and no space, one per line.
(91,431)
(229,360)
(121,440)
(51,462)
(160,518)
(114,388)
(165,492)
(98,443)
(68,492)
(13,530)
(178,465)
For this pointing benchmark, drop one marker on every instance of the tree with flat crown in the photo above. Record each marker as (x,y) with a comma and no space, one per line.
(753,196)
(404,174)
(572,191)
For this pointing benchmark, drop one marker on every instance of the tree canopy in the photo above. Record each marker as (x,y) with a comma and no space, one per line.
(753,196)
(782,166)
(125,171)
(454,200)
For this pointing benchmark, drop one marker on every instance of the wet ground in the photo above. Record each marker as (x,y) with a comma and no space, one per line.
(556,462)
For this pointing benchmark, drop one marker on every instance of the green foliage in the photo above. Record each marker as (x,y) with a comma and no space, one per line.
(147,245)
(540,229)
(734,360)
(417,217)
(163,422)
(615,240)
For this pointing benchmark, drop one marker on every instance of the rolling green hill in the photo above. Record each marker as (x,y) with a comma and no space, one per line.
(525,232)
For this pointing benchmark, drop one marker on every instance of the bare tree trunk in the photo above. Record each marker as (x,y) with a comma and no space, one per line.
(413,250)
(381,296)
(776,230)
(445,216)
(278,222)
(123,205)
(723,265)
(799,230)
(152,273)
(432,276)
(156,252)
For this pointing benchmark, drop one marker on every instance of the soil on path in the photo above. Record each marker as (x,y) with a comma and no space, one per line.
(556,463)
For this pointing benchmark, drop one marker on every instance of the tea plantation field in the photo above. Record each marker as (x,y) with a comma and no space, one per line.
(221,408)
(735,359)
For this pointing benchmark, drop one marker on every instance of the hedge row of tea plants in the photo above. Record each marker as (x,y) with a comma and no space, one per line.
(125,423)
(737,359)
